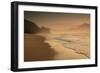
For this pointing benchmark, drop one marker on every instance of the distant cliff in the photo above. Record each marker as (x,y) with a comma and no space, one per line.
(30,27)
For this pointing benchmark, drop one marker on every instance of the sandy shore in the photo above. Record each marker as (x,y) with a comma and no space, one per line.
(54,47)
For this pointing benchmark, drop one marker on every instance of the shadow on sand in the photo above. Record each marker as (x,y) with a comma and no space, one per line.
(36,49)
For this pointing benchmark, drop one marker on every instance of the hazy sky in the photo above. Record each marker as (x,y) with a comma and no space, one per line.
(57,21)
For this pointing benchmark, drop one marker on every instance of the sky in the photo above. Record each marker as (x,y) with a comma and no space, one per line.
(57,21)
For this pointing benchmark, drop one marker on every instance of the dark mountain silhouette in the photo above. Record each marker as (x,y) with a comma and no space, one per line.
(30,27)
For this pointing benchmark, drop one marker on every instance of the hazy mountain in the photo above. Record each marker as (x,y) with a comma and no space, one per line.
(82,28)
